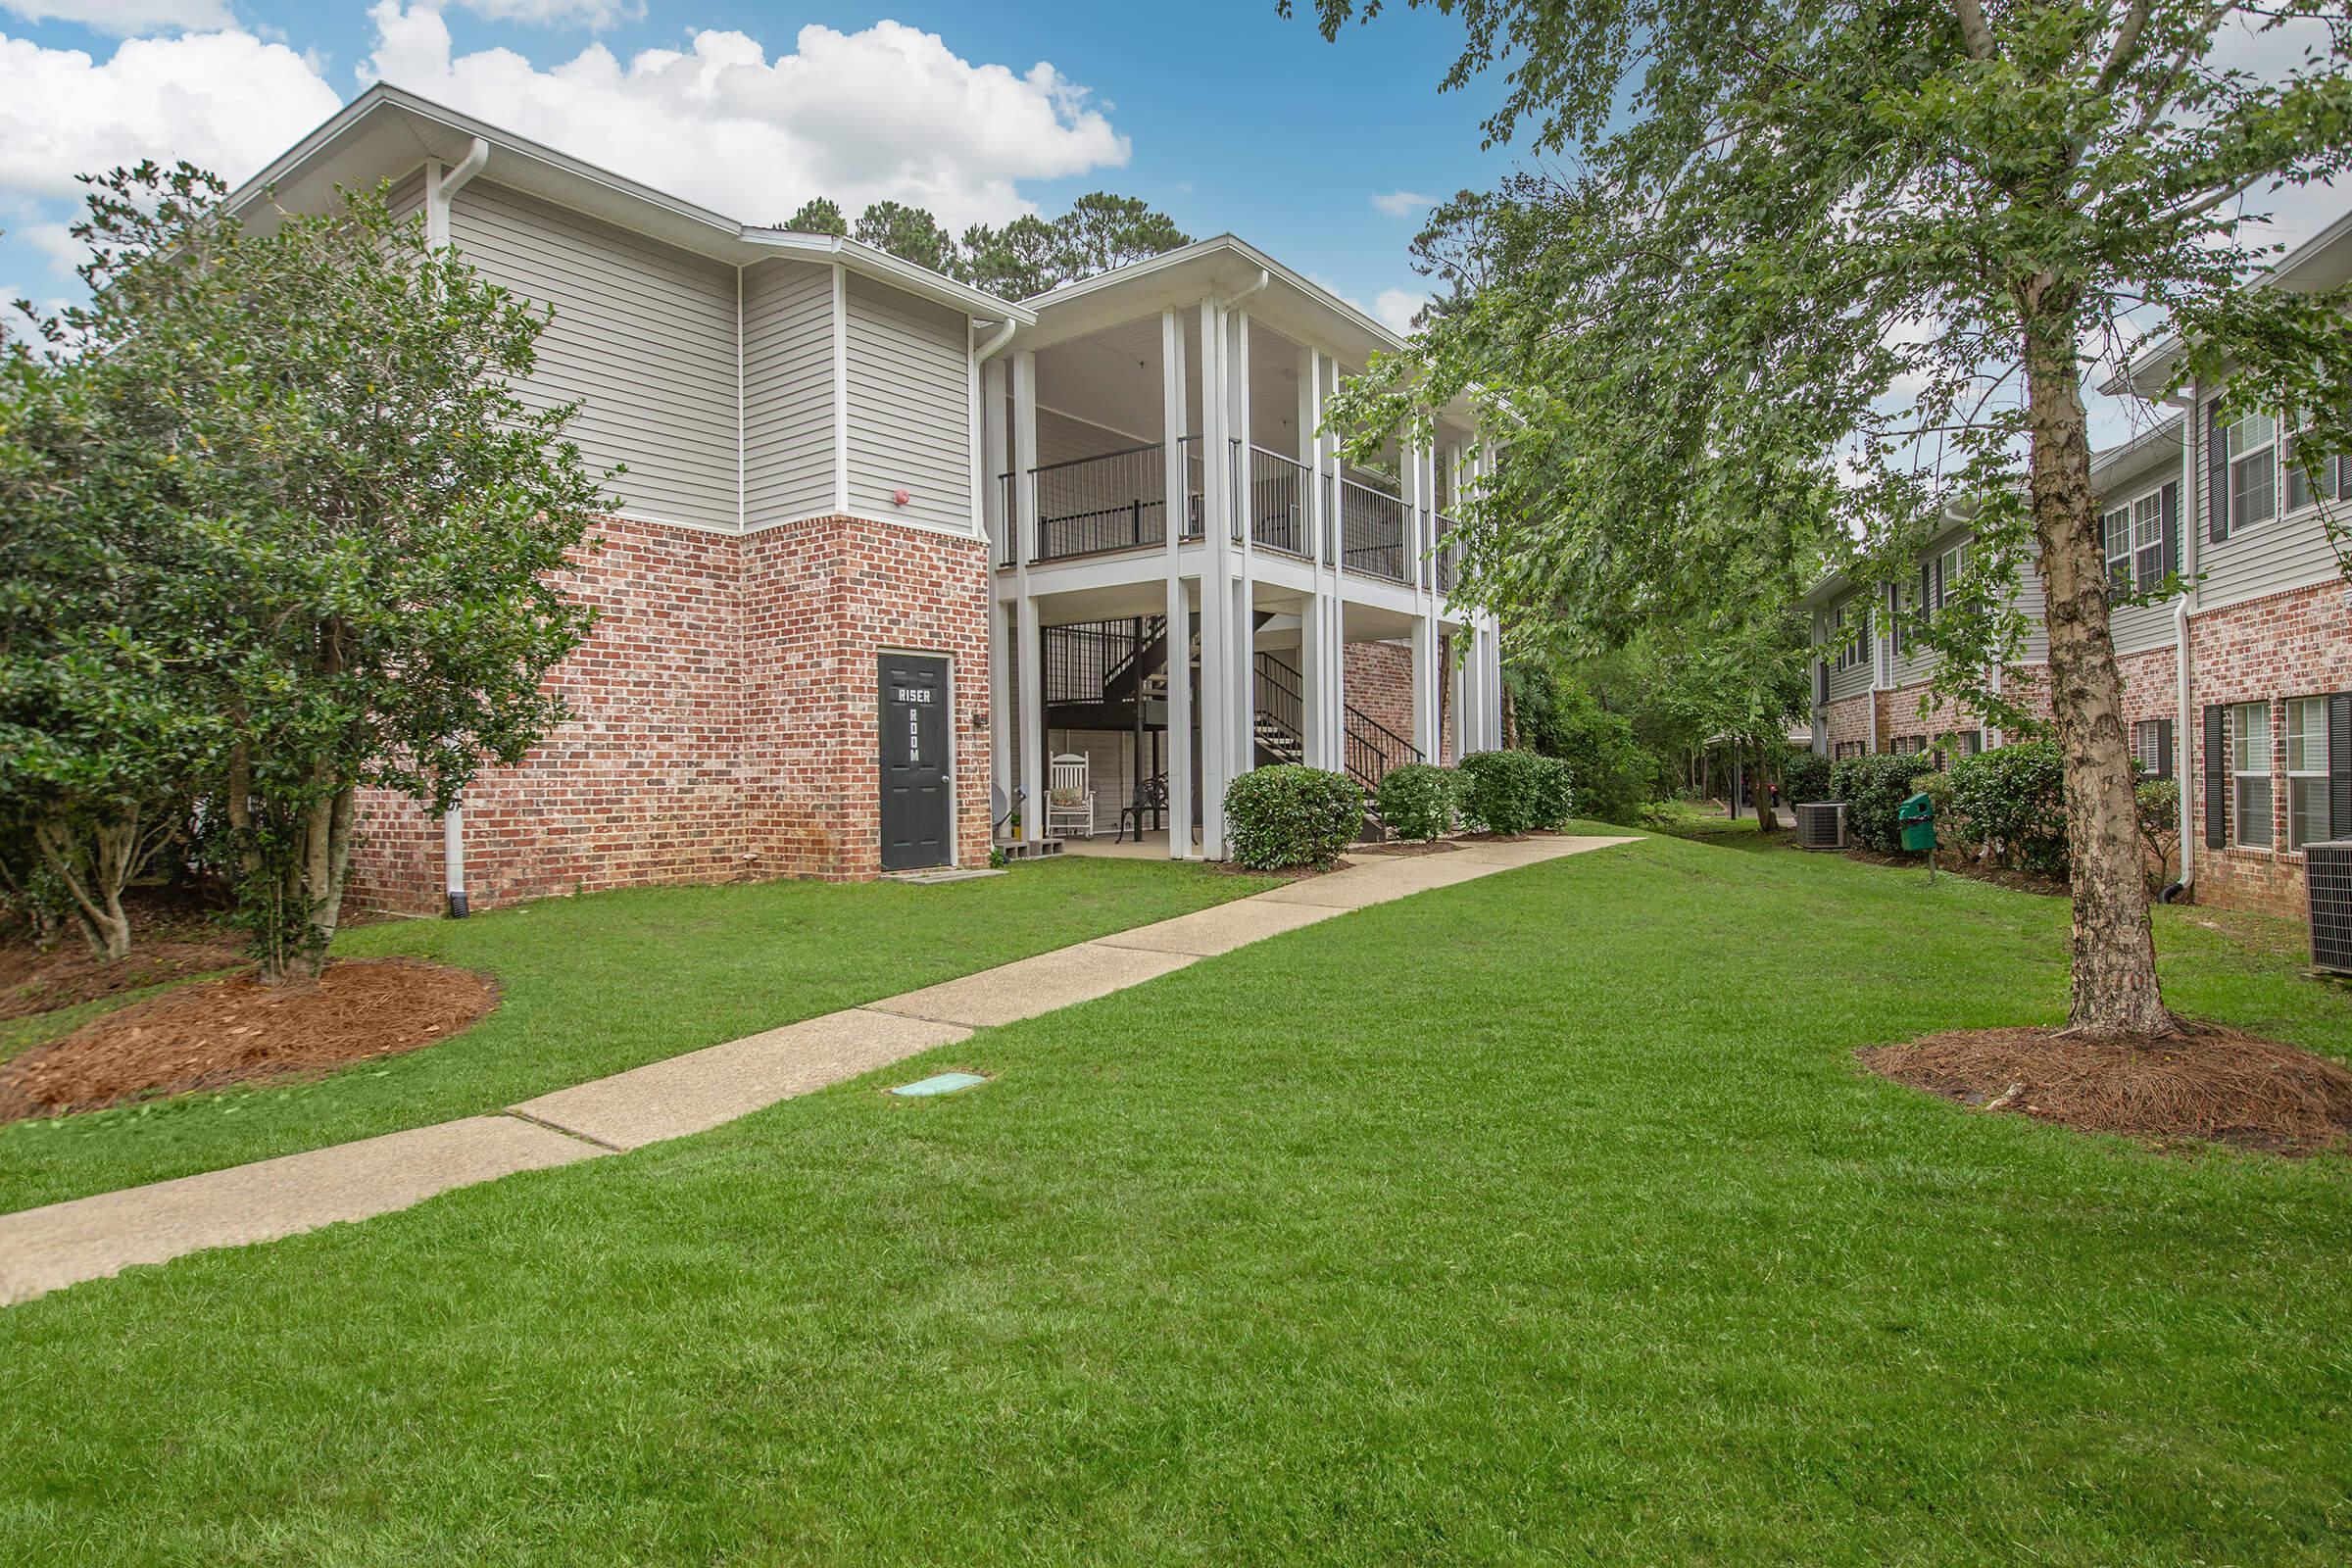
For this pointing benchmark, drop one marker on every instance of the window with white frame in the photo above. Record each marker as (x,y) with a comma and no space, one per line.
(1846,749)
(2147,541)
(1948,568)
(2252,443)
(2306,772)
(2148,746)
(2114,533)
(1846,636)
(2308,485)
(2250,776)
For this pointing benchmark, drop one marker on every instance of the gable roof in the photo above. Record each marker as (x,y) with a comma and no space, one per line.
(386,131)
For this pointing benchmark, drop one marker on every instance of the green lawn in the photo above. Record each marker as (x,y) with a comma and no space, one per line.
(1540,1219)
(593,985)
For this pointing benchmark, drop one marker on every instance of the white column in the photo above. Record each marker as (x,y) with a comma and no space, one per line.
(1033,723)
(1178,494)
(1313,702)
(1245,593)
(1216,584)
(1000,731)
(995,460)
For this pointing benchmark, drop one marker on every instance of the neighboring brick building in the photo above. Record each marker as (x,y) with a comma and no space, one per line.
(834,631)
(2261,736)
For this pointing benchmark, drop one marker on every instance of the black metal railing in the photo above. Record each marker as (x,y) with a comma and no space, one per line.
(1372,531)
(1448,552)
(1279,701)
(1009,523)
(1111,501)
(1274,500)
(1373,749)
(1196,485)
(1080,661)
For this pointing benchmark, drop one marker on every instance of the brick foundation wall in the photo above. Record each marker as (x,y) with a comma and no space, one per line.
(1378,683)
(724,719)
(1847,721)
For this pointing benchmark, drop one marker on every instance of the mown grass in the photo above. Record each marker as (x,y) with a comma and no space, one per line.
(593,985)
(1544,1218)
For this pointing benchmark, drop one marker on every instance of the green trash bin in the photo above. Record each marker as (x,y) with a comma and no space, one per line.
(1917,816)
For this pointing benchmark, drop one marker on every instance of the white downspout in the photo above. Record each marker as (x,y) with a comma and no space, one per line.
(2183,608)
(442,187)
(996,340)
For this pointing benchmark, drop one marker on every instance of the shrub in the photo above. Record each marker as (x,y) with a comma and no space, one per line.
(1874,789)
(1613,773)
(2012,800)
(1500,791)
(2159,802)
(1804,777)
(1418,800)
(1951,828)
(1287,815)
(1556,793)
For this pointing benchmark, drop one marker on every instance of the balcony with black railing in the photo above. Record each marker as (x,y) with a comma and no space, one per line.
(1373,532)
(1112,501)
(1273,494)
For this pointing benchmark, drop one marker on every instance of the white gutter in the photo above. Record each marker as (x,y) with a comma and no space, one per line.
(442,187)
(1265,277)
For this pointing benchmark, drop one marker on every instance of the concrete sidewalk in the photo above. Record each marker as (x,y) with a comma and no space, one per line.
(43,1249)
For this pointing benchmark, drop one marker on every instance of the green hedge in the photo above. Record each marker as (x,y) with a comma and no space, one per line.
(1514,792)
(2012,800)
(1288,815)
(1419,800)
(1805,777)
(1874,788)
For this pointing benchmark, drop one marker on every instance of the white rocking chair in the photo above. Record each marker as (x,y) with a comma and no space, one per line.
(1069,796)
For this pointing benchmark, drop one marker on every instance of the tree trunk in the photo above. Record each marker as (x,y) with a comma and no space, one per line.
(314,889)
(92,865)
(1767,820)
(2114,990)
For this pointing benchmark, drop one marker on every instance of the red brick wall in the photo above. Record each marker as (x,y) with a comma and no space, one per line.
(2286,645)
(724,718)
(1848,720)
(1378,680)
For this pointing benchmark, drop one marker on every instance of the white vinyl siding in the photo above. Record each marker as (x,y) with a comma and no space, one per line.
(407,196)
(787,391)
(2290,552)
(2250,776)
(1849,650)
(644,336)
(909,410)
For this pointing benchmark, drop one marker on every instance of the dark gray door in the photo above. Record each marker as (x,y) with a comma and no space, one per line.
(917,795)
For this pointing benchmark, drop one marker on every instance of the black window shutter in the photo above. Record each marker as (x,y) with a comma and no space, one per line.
(2339,765)
(2171,527)
(2216,777)
(1926,594)
(2164,747)
(2216,475)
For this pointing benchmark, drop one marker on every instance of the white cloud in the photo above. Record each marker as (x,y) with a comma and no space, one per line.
(888,111)
(126,16)
(1404,203)
(225,101)
(55,241)
(1397,307)
(594,14)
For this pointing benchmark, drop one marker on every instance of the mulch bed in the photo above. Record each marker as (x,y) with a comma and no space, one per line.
(2210,1084)
(31,981)
(239,1031)
(1399,847)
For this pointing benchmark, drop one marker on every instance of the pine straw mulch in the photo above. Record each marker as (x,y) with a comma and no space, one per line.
(2208,1084)
(238,1030)
(1402,848)
(32,981)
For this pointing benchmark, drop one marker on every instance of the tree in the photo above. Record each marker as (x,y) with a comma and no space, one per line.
(1884,241)
(817,215)
(1101,231)
(1017,261)
(99,721)
(372,522)
(909,233)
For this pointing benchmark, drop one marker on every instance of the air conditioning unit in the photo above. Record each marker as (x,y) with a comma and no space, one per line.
(2327,881)
(1820,825)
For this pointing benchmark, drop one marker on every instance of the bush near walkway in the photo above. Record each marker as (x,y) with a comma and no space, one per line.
(1873,787)
(1290,816)
(1418,800)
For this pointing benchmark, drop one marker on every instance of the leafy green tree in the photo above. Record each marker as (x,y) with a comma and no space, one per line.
(1893,239)
(909,233)
(101,726)
(817,215)
(1017,261)
(373,524)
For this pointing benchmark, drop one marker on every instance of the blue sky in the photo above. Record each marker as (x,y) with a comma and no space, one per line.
(1225,115)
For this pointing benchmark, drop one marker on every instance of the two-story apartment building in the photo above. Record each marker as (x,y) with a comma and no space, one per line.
(886,542)
(2239,685)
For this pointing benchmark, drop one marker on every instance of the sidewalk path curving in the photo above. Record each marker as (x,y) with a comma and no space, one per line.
(42,1249)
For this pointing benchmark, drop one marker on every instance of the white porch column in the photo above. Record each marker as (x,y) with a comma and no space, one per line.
(1216,583)
(1314,702)
(1032,652)
(1245,594)
(995,460)
(1178,500)
(1001,730)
